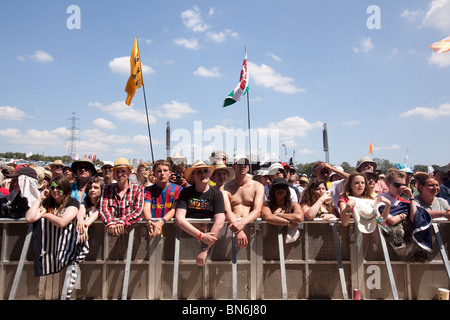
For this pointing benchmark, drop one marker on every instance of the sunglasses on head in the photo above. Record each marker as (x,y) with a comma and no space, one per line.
(398,185)
(199,172)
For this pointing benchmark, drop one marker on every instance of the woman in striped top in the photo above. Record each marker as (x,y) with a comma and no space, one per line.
(53,216)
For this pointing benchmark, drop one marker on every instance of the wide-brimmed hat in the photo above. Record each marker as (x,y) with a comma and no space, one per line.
(57,163)
(198,164)
(364,214)
(221,166)
(122,163)
(77,163)
(364,160)
(27,171)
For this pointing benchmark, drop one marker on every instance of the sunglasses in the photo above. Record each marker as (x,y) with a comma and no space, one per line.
(55,187)
(85,168)
(398,185)
(200,172)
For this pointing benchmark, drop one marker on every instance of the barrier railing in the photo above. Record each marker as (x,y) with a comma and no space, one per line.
(326,257)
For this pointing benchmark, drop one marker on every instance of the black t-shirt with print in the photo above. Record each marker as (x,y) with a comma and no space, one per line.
(201,205)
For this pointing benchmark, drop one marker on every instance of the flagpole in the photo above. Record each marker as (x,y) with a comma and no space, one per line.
(249,134)
(146,109)
(148,123)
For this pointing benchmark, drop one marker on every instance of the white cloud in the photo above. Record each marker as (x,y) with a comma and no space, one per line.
(365,45)
(175,110)
(267,77)
(34,138)
(440,59)
(438,15)
(428,113)
(11,113)
(411,15)
(121,111)
(122,65)
(192,19)
(191,43)
(39,56)
(391,147)
(208,73)
(273,56)
(221,36)
(294,127)
(104,124)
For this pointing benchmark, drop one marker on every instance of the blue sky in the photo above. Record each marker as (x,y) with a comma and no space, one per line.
(310,62)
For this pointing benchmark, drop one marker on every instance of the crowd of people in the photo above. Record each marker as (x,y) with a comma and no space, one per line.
(62,201)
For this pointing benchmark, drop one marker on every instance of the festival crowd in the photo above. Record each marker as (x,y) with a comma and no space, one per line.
(62,201)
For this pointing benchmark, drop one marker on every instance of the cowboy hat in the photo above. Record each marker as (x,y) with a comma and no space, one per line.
(198,164)
(122,162)
(222,166)
(364,214)
(77,163)
(57,163)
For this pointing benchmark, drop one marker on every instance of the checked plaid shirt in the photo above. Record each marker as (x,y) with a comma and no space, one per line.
(126,210)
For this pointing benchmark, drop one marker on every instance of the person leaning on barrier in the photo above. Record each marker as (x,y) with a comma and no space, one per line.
(316,201)
(121,202)
(356,188)
(429,188)
(160,199)
(280,210)
(53,215)
(90,207)
(244,199)
(406,220)
(200,201)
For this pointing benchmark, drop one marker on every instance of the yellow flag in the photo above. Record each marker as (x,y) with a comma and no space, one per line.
(370,148)
(135,80)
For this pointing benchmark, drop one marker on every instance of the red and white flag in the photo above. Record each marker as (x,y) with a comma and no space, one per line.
(242,86)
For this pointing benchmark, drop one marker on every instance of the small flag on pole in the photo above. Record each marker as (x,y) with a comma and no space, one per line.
(135,80)
(371,149)
(241,88)
(441,46)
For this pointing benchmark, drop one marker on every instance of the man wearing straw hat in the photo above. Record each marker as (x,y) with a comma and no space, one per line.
(200,201)
(244,199)
(122,202)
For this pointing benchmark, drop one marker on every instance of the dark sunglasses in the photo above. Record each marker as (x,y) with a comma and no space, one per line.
(55,187)
(85,168)
(398,185)
(199,172)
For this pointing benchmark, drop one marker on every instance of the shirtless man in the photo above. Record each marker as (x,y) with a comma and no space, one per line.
(243,199)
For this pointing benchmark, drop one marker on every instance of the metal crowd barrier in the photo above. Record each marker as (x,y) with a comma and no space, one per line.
(134,266)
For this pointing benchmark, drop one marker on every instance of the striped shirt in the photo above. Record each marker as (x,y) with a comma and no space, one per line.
(126,210)
(161,201)
(55,247)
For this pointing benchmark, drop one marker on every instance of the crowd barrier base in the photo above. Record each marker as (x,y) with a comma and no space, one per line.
(328,261)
